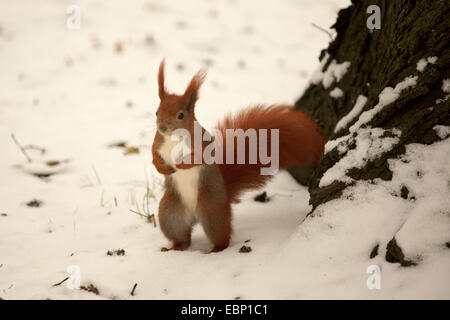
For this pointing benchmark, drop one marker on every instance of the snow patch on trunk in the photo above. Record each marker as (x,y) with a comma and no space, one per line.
(386,97)
(422,63)
(442,131)
(357,108)
(446,85)
(334,72)
(336,93)
(370,143)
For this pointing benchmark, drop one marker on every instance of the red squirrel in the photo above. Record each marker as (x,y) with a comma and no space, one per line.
(203,193)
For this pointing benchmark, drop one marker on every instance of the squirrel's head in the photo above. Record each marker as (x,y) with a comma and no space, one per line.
(177,111)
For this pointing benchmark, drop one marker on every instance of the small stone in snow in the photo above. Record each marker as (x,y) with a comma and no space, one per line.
(262,197)
(374,251)
(118,252)
(34,203)
(404,192)
(394,254)
(118,47)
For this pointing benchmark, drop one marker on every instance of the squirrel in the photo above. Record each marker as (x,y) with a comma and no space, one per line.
(198,192)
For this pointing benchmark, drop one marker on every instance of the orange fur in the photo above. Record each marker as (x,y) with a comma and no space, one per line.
(300,142)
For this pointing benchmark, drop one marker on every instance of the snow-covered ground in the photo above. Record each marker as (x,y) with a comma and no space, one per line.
(74,92)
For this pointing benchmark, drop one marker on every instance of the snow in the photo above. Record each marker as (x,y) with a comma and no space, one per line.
(446,88)
(442,131)
(75,92)
(432,60)
(317,76)
(356,110)
(371,213)
(370,143)
(387,96)
(426,175)
(336,93)
(446,85)
(341,143)
(334,72)
(422,63)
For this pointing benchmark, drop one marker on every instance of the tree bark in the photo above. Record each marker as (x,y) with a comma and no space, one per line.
(410,31)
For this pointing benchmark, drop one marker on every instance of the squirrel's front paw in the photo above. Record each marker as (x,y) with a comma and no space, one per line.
(184,166)
(165,170)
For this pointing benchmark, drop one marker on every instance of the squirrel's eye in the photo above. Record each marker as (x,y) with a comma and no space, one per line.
(180,115)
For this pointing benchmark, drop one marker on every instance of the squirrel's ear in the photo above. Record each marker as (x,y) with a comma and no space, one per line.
(162,90)
(191,93)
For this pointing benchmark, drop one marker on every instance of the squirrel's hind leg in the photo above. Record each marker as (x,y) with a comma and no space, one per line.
(214,208)
(215,219)
(173,222)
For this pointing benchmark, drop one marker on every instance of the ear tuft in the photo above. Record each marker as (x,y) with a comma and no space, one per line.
(191,93)
(162,90)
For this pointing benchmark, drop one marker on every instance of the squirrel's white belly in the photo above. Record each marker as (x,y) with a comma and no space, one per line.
(186,181)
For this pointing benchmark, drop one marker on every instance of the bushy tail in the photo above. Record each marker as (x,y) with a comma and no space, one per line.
(300,142)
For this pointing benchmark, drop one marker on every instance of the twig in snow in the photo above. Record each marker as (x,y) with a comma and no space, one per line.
(134,288)
(96,175)
(35,147)
(282,195)
(263,197)
(103,203)
(323,30)
(61,282)
(20,147)
(90,288)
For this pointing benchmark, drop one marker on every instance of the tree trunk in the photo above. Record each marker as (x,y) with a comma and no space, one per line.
(377,59)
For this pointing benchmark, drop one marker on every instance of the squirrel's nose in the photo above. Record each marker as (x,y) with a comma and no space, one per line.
(162,128)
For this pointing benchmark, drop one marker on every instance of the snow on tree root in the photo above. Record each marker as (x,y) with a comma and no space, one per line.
(369,144)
